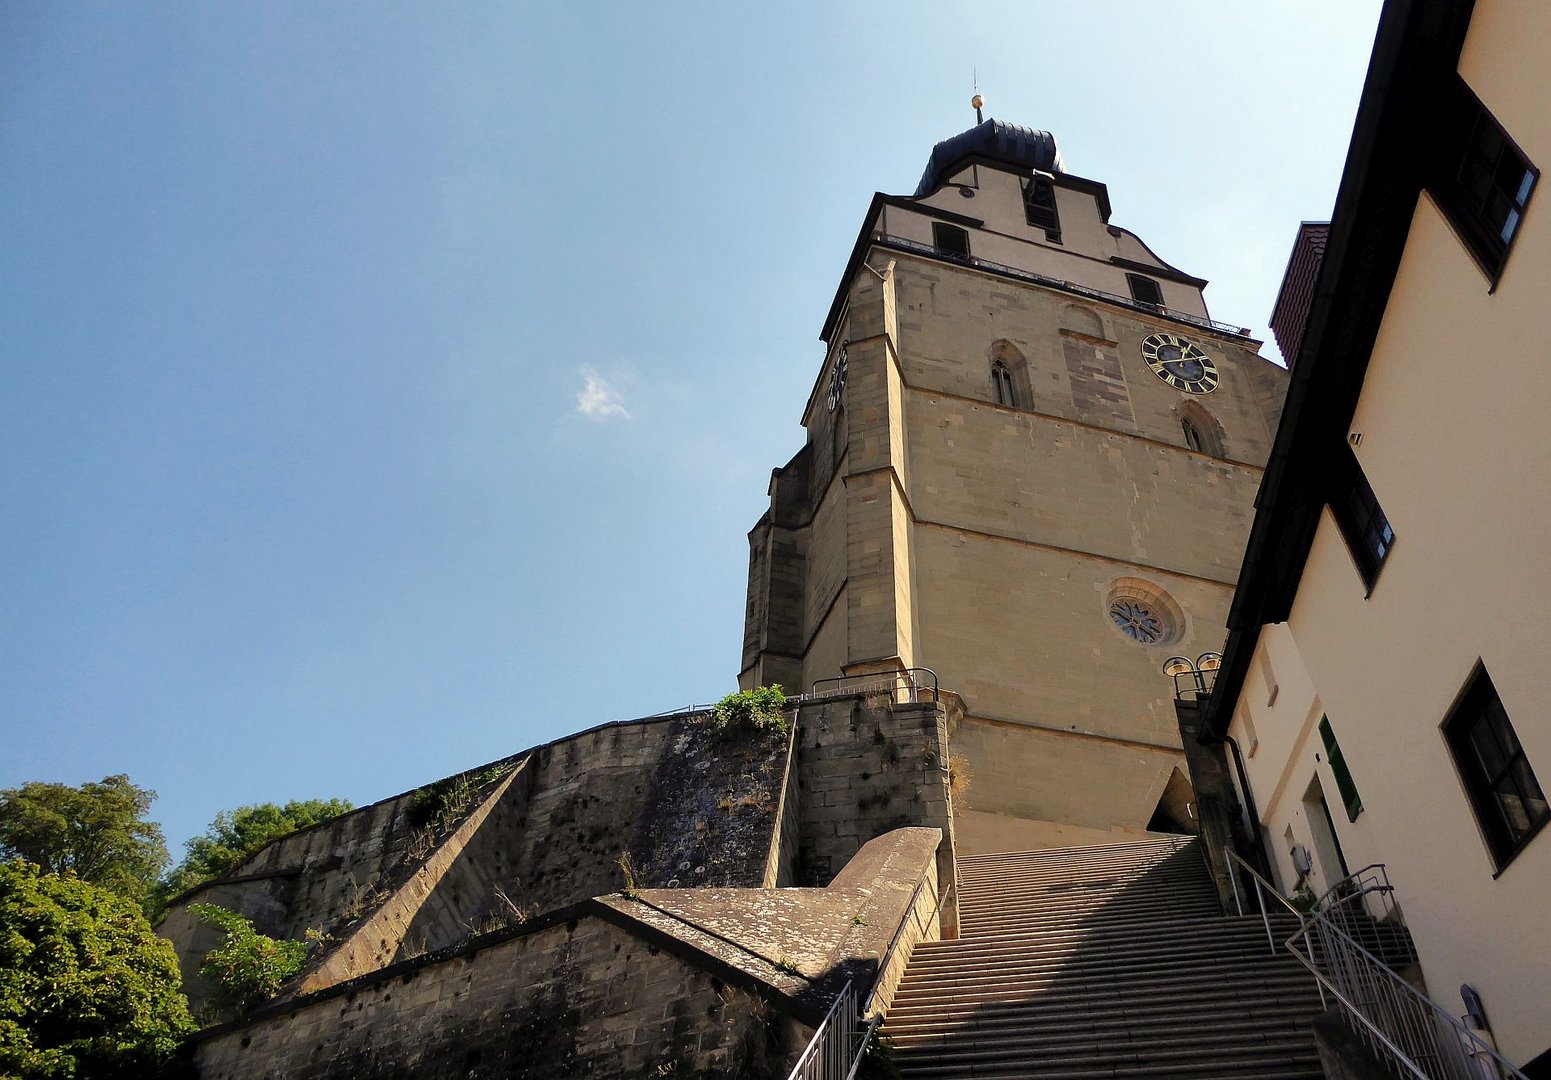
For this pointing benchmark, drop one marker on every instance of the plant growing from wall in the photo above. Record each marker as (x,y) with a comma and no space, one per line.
(627,868)
(759,709)
(879,1062)
(440,806)
(247,968)
(959,776)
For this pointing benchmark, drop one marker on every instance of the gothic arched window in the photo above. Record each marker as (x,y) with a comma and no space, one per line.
(1193,437)
(1001,383)
(1202,432)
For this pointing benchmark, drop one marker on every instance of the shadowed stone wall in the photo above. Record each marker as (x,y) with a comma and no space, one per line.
(579,999)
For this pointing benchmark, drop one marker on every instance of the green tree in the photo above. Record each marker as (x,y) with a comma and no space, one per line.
(233,837)
(247,967)
(87,989)
(97,831)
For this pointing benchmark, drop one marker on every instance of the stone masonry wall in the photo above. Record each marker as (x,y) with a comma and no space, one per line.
(866,767)
(579,999)
(547,830)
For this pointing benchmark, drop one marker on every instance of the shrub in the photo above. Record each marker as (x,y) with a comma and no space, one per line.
(86,988)
(759,709)
(247,968)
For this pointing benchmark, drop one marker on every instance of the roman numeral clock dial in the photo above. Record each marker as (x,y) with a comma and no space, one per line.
(1180,363)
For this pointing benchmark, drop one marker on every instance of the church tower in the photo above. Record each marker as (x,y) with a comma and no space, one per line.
(1030,466)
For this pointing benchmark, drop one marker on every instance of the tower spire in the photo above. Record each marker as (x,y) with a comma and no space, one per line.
(977,101)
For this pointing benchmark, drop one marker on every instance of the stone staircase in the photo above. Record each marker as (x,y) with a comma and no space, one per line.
(1111,961)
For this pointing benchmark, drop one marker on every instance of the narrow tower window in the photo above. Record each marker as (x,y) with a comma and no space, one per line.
(1144,290)
(1039,206)
(1001,382)
(1202,432)
(950,240)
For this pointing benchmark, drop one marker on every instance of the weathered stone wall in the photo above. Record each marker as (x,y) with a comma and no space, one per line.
(869,766)
(711,808)
(951,316)
(786,845)
(327,877)
(578,999)
(456,892)
(545,831)
(667,982)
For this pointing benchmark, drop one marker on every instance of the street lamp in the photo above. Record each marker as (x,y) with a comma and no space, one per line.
(1202,672)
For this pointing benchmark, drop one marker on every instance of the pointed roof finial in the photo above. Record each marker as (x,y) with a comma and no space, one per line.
(977,101)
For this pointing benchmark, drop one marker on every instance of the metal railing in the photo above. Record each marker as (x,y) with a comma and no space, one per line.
(1412,1033)
(1363,903)
(913,681)
(839,1044)
(978,263)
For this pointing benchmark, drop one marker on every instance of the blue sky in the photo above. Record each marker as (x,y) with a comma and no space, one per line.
(385,388)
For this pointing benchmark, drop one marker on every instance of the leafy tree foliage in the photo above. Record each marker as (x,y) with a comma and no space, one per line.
(247,967)
(87,990)
(97,831)
(233,837)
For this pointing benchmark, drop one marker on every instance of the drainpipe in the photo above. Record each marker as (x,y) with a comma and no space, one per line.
(1249,798)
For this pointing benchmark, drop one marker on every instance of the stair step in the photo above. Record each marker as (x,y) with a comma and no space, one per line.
(1112,961)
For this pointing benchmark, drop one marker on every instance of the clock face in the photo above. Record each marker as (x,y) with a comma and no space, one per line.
(1180,363)
(837,379)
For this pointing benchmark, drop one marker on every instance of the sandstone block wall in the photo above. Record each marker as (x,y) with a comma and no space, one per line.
(868,767)
(578,999)
(546,830)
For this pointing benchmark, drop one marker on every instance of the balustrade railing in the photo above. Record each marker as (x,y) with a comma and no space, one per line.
(912,682)
(978,263)
(839,1043)
(1412,1033)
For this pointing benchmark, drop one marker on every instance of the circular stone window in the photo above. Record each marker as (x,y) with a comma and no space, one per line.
(1144,612)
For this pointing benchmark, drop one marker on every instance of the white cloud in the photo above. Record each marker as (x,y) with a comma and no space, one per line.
(600,399)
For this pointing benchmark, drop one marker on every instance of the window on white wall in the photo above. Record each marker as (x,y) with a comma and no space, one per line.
(1268,673)
(1247,724)
(1343,775)
(1504,792)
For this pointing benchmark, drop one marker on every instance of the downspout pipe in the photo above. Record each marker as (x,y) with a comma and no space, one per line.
(1253,811)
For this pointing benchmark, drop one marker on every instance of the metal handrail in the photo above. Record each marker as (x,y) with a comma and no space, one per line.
(839,1043)
(889,240)
(888,954)
(1408,1029)
(1353,884)
(885,680)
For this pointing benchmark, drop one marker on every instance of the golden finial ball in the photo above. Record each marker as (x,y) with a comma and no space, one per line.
(976,101)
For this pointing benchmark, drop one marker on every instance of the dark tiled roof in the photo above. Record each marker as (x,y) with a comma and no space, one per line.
(1009,143)
(1296,297)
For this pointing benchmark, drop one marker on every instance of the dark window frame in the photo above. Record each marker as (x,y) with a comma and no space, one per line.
(1039,206)
(949,239)
(1002,384)
(1146,283)
(1364,526)
(1339,769)
(1485,183)
(1479,709)
(1194,439)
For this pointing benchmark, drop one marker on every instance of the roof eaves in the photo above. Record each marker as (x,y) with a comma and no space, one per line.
(1416,47)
